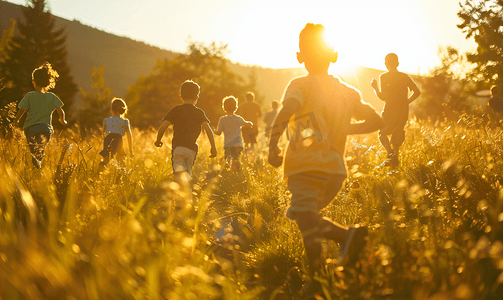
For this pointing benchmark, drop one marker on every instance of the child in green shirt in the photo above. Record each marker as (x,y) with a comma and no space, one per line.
(39,105)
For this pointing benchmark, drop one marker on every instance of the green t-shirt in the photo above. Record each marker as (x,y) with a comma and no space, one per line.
(39,108)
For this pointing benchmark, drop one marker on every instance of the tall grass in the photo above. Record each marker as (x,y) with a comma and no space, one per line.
(70,232)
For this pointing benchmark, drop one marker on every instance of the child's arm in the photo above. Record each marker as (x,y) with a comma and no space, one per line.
(415,93)
(129,136)
(20,113)
(61,114)
(219,128)
(377,91)
(372,121)
(209,133)
(160,133)
(289,108)
(248,124)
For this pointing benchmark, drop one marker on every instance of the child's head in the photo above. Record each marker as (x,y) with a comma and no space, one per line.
(391,61)
(189,91)
(44,76)
(250,96)
(315,52)
(274,105)
(119,107)
(494,91)
(230,104)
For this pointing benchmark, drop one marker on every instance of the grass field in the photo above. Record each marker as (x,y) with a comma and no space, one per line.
(69,232)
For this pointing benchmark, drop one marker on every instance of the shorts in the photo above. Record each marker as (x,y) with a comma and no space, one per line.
(312,191)
(394,124)
(112,145)
(183,159)
(234,152)
(249,135)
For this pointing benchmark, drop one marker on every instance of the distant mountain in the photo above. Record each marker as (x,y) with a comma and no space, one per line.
(125,60)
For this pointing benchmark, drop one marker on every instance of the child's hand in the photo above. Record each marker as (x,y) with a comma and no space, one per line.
(63,122)
(158,144)
(373,83)
(213,153)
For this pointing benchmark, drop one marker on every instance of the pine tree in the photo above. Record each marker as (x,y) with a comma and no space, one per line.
(38,41)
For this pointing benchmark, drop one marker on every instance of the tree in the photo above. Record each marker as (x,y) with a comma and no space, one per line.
(483,20)
(37,42)
(154,95)
(445,93)
(95,104)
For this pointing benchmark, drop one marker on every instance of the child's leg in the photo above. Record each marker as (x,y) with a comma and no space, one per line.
(383,138)
(37,141)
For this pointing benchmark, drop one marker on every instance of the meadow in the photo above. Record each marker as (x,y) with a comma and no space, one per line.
(69,232)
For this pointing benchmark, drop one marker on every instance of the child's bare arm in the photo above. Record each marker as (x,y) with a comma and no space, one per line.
(248,124)
(129,136)
(372,122)
(160,133)
(209,133)
(19,114)
(289,108)
(61,114)
(415,93)
(378,91)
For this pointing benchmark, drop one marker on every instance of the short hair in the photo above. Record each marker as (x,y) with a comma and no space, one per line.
(391,59)
(312,40)
(495,90)
(119,106)
(250,96)
(274,104)
(45,76)
(189,90)
(230,104)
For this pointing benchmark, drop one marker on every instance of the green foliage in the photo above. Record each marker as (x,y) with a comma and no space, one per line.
(94,104)
(38,41)
(446,91)
(154,95)
(483,20)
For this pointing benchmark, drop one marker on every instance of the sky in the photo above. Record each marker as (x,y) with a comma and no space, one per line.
(265,32)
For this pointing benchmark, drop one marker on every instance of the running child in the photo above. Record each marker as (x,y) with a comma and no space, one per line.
(114,128)
(270,116)
(321,107)
(250,111)
(230,125)
(39,106)
(394,91)
(187,120)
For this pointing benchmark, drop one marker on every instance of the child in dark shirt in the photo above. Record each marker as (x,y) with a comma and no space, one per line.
(187,120)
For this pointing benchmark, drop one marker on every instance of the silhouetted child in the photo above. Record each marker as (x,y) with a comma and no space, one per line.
(114,128)
(230,125)
(250,111)
(187,120)
(321,107)
(495,102)
(394,91)
(39,106)
(270,116)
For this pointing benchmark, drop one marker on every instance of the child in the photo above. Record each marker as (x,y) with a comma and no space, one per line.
(495,102)
(322,107)
(394,91)
(187,120)
(39,106)
(250,111)
(114,128)
(230,125)
(270,116)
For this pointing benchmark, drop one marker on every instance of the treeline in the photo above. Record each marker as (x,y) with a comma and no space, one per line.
(447,92)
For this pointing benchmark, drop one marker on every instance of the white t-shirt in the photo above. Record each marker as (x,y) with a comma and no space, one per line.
(116,124)
(231,127)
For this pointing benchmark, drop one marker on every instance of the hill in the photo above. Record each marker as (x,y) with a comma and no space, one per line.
(125,60)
